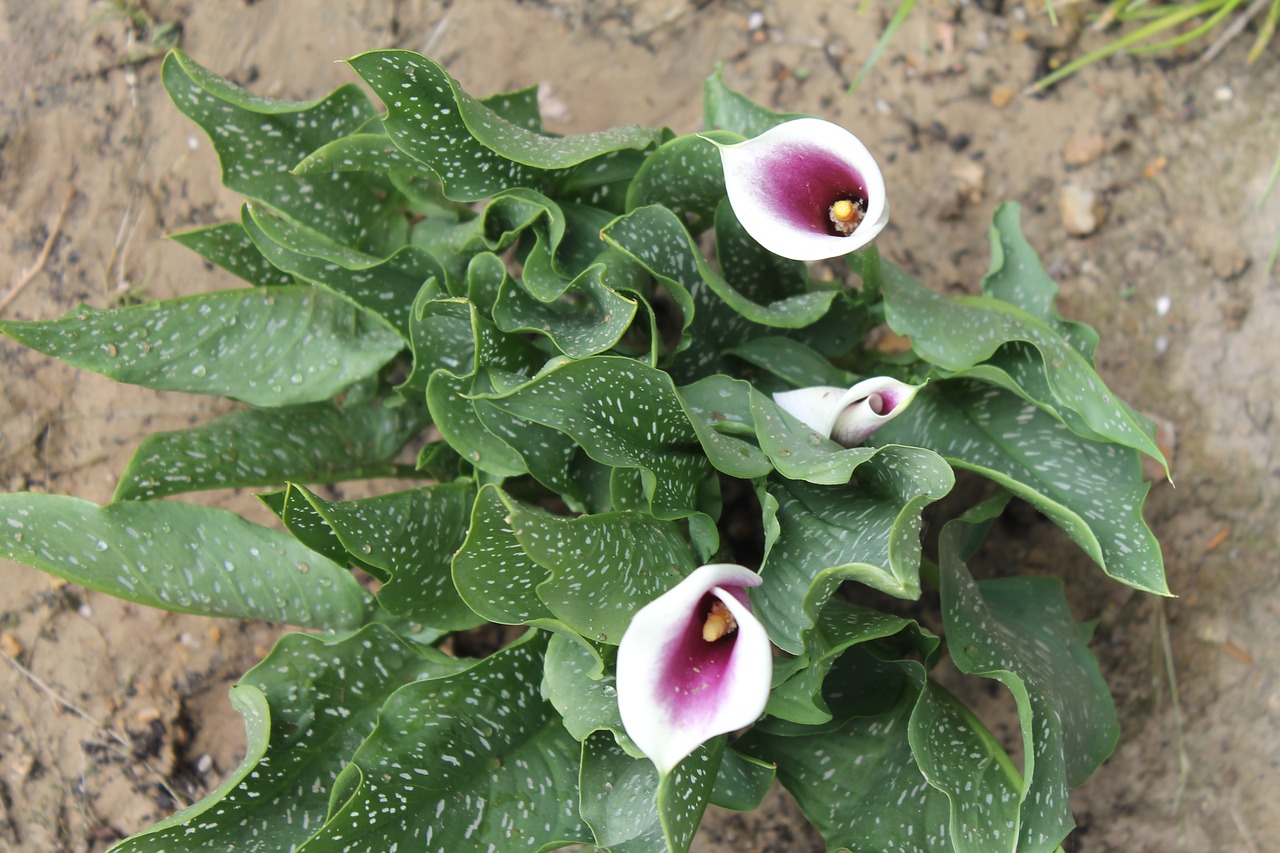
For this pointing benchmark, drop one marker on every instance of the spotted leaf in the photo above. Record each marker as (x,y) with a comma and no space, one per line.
(259,141)
(1093,491)
(267,346)
(1019,631)
(475,761)
(304,719)
(474,151)
(316,443)
(180,557)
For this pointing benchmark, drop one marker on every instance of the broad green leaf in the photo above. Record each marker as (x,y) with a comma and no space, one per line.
(1093,491)
(631,810)
(1020,632)
(858,781)
(368,151)
(293,507)
(588,318)
(461,352)
(475,152)
(411,536)
(267,346)
(259,140)
(684,176)
(816,537)
(719,409)
(742,783)
(961,758)
(1017,277)
(959,332)
(840,626)
(385,286)
(492,572)
(753,270)
(455,416)
(475,761)
(316,443)
(654,236)
(796,364)
(228,245)
(619,798)
(603,567)
(722,107)
(304,718)
(624,414)
(574,681)
(180,557)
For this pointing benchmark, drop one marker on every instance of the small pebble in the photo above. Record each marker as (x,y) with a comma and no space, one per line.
(1083,147)
(10,645)
(882,107)
(1079,209)
(204,764)
(1162,345)
(1225,94)
(1001,96)
(1163,304)
(755,21)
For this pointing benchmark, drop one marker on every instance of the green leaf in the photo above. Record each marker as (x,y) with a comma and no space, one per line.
(840,626)
(724,108)
(816,537)
(384,286)
(656,239)
(757,273)
(1017,277)
(292,507)
(1019,631)
(411,536)
(259,140)
(574,681)
(684,176)
(267,346)
(1093,491)
(719,409)
(304,718)
(180,557)
(793,362)
(475,152)
(858,782)
(624,414)
(317,443)
(631,810)
(588,318)
(475,761)
(958,333)
(742,783)
(602,567)
(492,572)
(228,245)
(960,757)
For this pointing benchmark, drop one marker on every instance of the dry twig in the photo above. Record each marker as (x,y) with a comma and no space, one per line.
(32,271)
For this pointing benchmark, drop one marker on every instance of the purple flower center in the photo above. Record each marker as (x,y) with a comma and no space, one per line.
(694,675)
(804,181)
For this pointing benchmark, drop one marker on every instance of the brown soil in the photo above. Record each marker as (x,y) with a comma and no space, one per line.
(114,714)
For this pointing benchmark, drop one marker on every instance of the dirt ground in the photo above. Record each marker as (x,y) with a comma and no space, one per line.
(112,715)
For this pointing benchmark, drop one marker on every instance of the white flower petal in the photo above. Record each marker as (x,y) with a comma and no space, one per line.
(676,690)
(782,184)
(848,416)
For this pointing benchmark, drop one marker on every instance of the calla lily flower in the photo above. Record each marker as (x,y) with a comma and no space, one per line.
(848,416)
(806,190)
(694,663)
